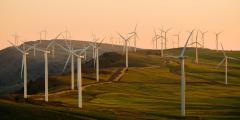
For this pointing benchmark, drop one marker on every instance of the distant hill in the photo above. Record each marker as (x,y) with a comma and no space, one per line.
(11,60)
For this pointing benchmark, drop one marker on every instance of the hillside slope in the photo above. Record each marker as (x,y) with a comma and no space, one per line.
(150,89)
(11,60)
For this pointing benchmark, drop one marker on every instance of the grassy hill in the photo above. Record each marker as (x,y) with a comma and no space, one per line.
(11,61)
(150,89)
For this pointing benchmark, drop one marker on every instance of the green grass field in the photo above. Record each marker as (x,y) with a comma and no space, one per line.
(149,90)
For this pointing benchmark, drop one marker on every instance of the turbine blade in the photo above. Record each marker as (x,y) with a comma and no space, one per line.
(220,63)
(66,63)
(199,44)
(121,36)
(65,49)
(233,58)
(85,49)
(50,44)
(183,50)
(98,45)
(223,50)
(191,43)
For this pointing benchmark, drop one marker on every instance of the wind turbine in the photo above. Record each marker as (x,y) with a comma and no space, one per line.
(45,34)
(226,64)
(156,38)
(165,36)
(203,38)
(94,40)
(15,36)
(217,39)
(182,58)
(71,56)
(97,59)
(126,40)
(79,71)
(24,65)
(196,48)
(178,39)
(45,52)
(135,37)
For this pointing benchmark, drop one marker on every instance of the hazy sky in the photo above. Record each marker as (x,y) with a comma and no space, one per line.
(103,17)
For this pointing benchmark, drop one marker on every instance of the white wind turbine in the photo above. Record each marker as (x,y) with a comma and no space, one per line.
(156,38)
(203,38)
(71,56)
(96,46)
(45,38)
(217,39)
(226,64)
(183,83)
(79,71)
(126,41)
(196,48)
(178,39)
(45,34)
(72,52)
(24,65)
(94,40)
(165,36)
(45,53)
(135,37)
(15,36)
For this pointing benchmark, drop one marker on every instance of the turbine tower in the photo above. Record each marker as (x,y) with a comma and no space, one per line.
(182,58)
(96,47)
(97,59)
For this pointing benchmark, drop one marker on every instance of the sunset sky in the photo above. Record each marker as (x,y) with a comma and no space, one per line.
(103,17)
